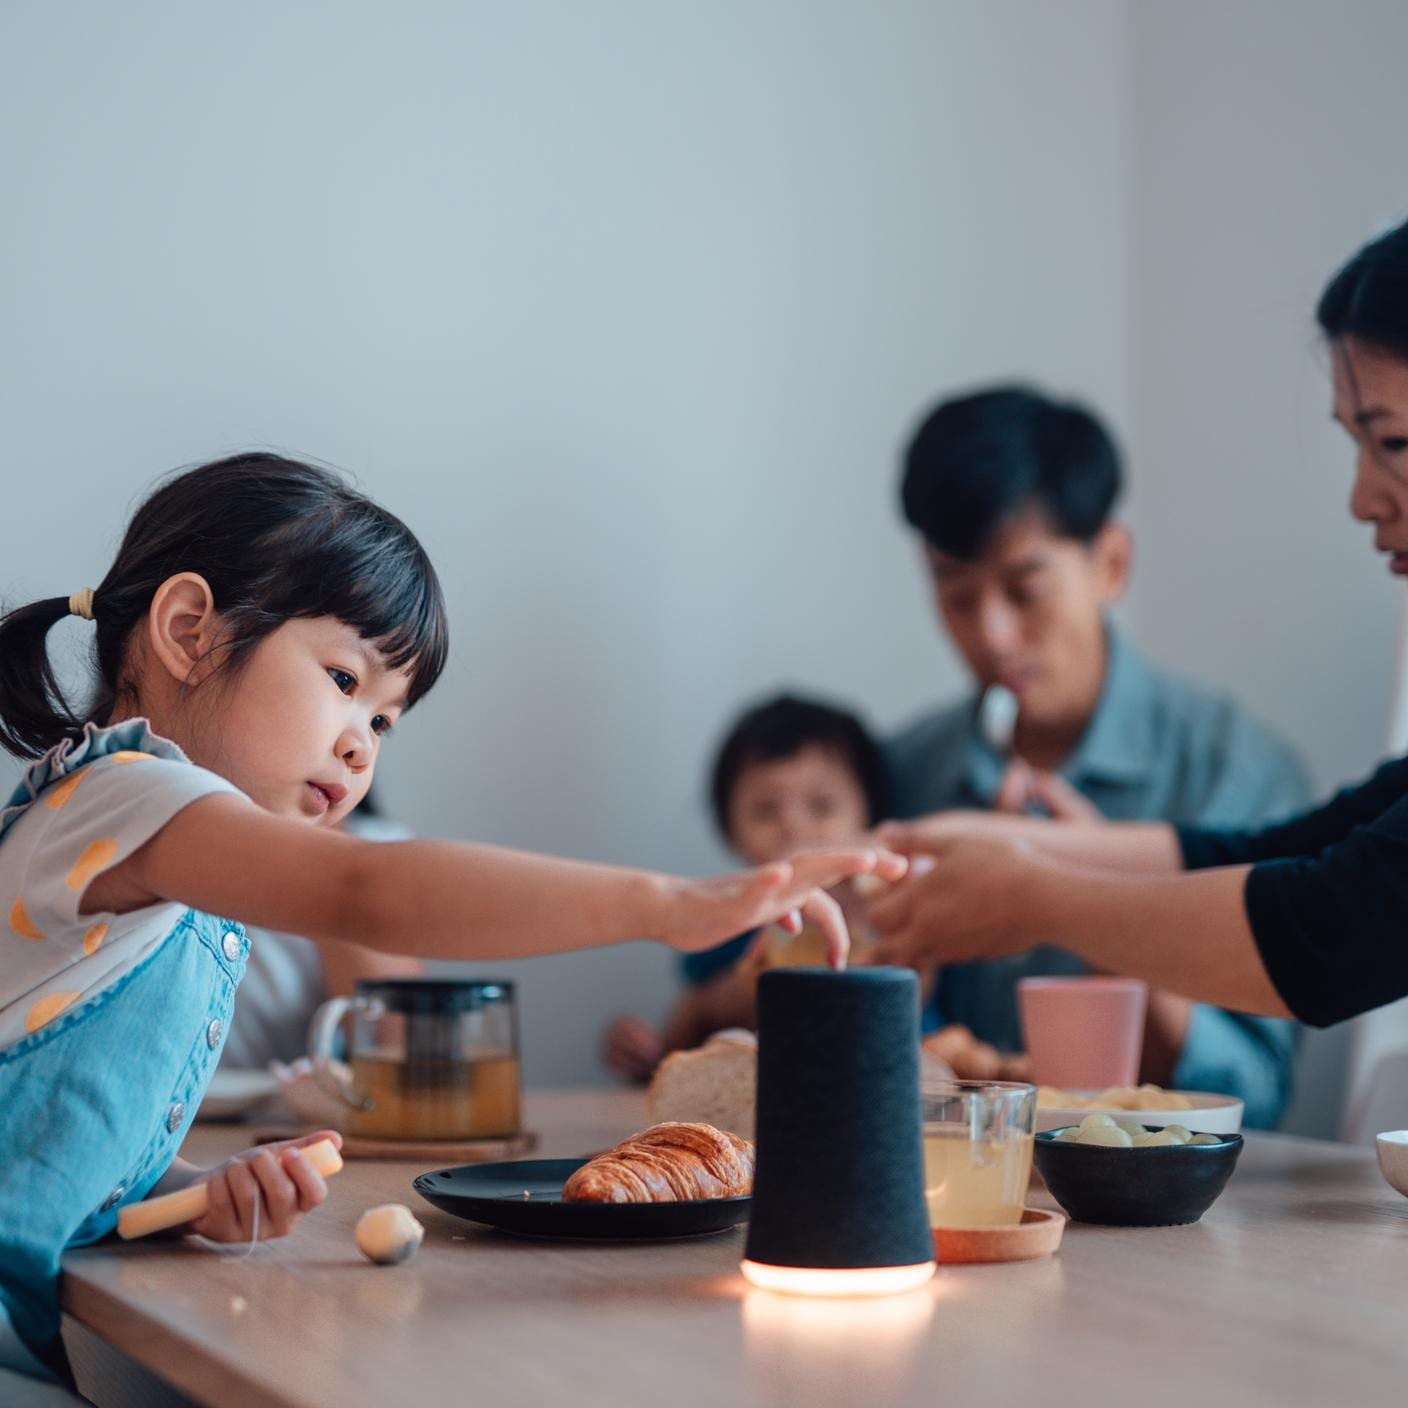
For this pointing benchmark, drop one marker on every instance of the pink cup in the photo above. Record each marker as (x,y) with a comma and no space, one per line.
(1083,1033)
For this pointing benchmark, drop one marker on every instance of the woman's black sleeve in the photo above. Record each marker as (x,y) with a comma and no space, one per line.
(1303,836)
(1332,929)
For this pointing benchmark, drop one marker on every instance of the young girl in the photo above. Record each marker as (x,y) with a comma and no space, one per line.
(261,630)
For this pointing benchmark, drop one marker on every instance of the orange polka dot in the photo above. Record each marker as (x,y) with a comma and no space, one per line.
(93,939)
(128,756)
(59,794)
(47,1008)
(21,923)
(95,859)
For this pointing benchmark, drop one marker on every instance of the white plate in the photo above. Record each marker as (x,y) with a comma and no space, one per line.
(1211,1114)
(234,1094)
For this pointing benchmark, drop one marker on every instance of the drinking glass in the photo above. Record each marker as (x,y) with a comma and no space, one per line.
(977,1151)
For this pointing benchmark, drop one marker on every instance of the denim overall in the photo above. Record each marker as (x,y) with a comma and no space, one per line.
(93,1108)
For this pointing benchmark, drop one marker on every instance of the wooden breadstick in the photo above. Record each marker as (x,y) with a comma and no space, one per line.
(171,1210)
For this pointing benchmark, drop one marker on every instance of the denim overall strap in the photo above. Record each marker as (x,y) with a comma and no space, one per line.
(94,1106)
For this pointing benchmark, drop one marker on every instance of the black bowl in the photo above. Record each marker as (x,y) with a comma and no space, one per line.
(1158,1187)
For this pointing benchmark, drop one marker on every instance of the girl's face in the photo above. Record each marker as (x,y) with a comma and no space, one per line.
(1371,402)
(810,800)
(298,727)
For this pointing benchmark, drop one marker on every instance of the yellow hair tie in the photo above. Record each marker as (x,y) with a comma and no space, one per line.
(81,604)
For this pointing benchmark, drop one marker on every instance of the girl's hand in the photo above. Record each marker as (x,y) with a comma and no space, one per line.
(965,900)
(699,914)
(274,1178)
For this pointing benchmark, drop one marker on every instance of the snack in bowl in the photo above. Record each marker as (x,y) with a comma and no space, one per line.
(667,1163)
(1098,1173)
(1140,1105)
(1117,1097)
(1121,1134)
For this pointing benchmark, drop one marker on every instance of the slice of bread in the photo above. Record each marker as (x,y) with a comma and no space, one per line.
(714,1084)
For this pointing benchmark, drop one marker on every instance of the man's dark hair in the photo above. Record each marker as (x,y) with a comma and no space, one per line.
(977,461)
(780,728)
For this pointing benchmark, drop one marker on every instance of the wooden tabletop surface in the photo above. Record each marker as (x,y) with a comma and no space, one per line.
(1292,1290)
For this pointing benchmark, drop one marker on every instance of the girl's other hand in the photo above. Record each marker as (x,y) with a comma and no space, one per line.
(699,914)
(275,1179)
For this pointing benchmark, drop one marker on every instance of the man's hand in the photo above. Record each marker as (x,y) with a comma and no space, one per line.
(964,900)
(1024,789)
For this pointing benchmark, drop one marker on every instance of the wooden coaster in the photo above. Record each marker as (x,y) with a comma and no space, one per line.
(1037,1235)
(442,1151)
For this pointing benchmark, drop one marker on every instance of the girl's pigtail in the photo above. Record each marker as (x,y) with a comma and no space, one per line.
(34,714)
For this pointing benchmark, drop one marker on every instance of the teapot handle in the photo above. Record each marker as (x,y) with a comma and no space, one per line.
(322,1033)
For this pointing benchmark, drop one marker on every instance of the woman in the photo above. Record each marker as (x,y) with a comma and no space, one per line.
(1304,919)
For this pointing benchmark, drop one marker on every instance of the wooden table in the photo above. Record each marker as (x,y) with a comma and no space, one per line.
(1293,1290)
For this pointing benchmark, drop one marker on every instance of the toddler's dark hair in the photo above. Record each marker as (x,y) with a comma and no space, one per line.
(781,728)
(979,460)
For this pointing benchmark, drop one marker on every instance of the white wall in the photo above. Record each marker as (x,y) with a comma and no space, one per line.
(1267,133)
(1262,128)
(625,307)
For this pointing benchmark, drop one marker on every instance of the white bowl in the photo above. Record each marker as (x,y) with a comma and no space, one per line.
(1393,1158)
(1211,1114)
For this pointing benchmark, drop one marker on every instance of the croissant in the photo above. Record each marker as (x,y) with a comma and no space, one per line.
(667,1163)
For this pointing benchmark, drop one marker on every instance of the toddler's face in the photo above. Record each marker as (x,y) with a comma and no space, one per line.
(299,727)
(808,800)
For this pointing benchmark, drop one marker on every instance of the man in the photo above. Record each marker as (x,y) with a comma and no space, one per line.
(1012,494)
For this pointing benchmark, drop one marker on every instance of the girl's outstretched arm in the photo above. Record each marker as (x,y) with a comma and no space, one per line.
(447,899)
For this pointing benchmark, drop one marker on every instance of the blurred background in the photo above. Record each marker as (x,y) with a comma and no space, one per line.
(628,308)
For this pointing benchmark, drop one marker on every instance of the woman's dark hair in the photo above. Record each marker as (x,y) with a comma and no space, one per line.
(977,461)
(1368,298)
(781,728)
(276,540)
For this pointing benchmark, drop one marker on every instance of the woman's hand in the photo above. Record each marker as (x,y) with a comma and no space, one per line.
(699,914)
(924,832)
(275,1179)
(964,900)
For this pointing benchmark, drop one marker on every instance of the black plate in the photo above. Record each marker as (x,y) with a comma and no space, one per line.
(494,1194)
